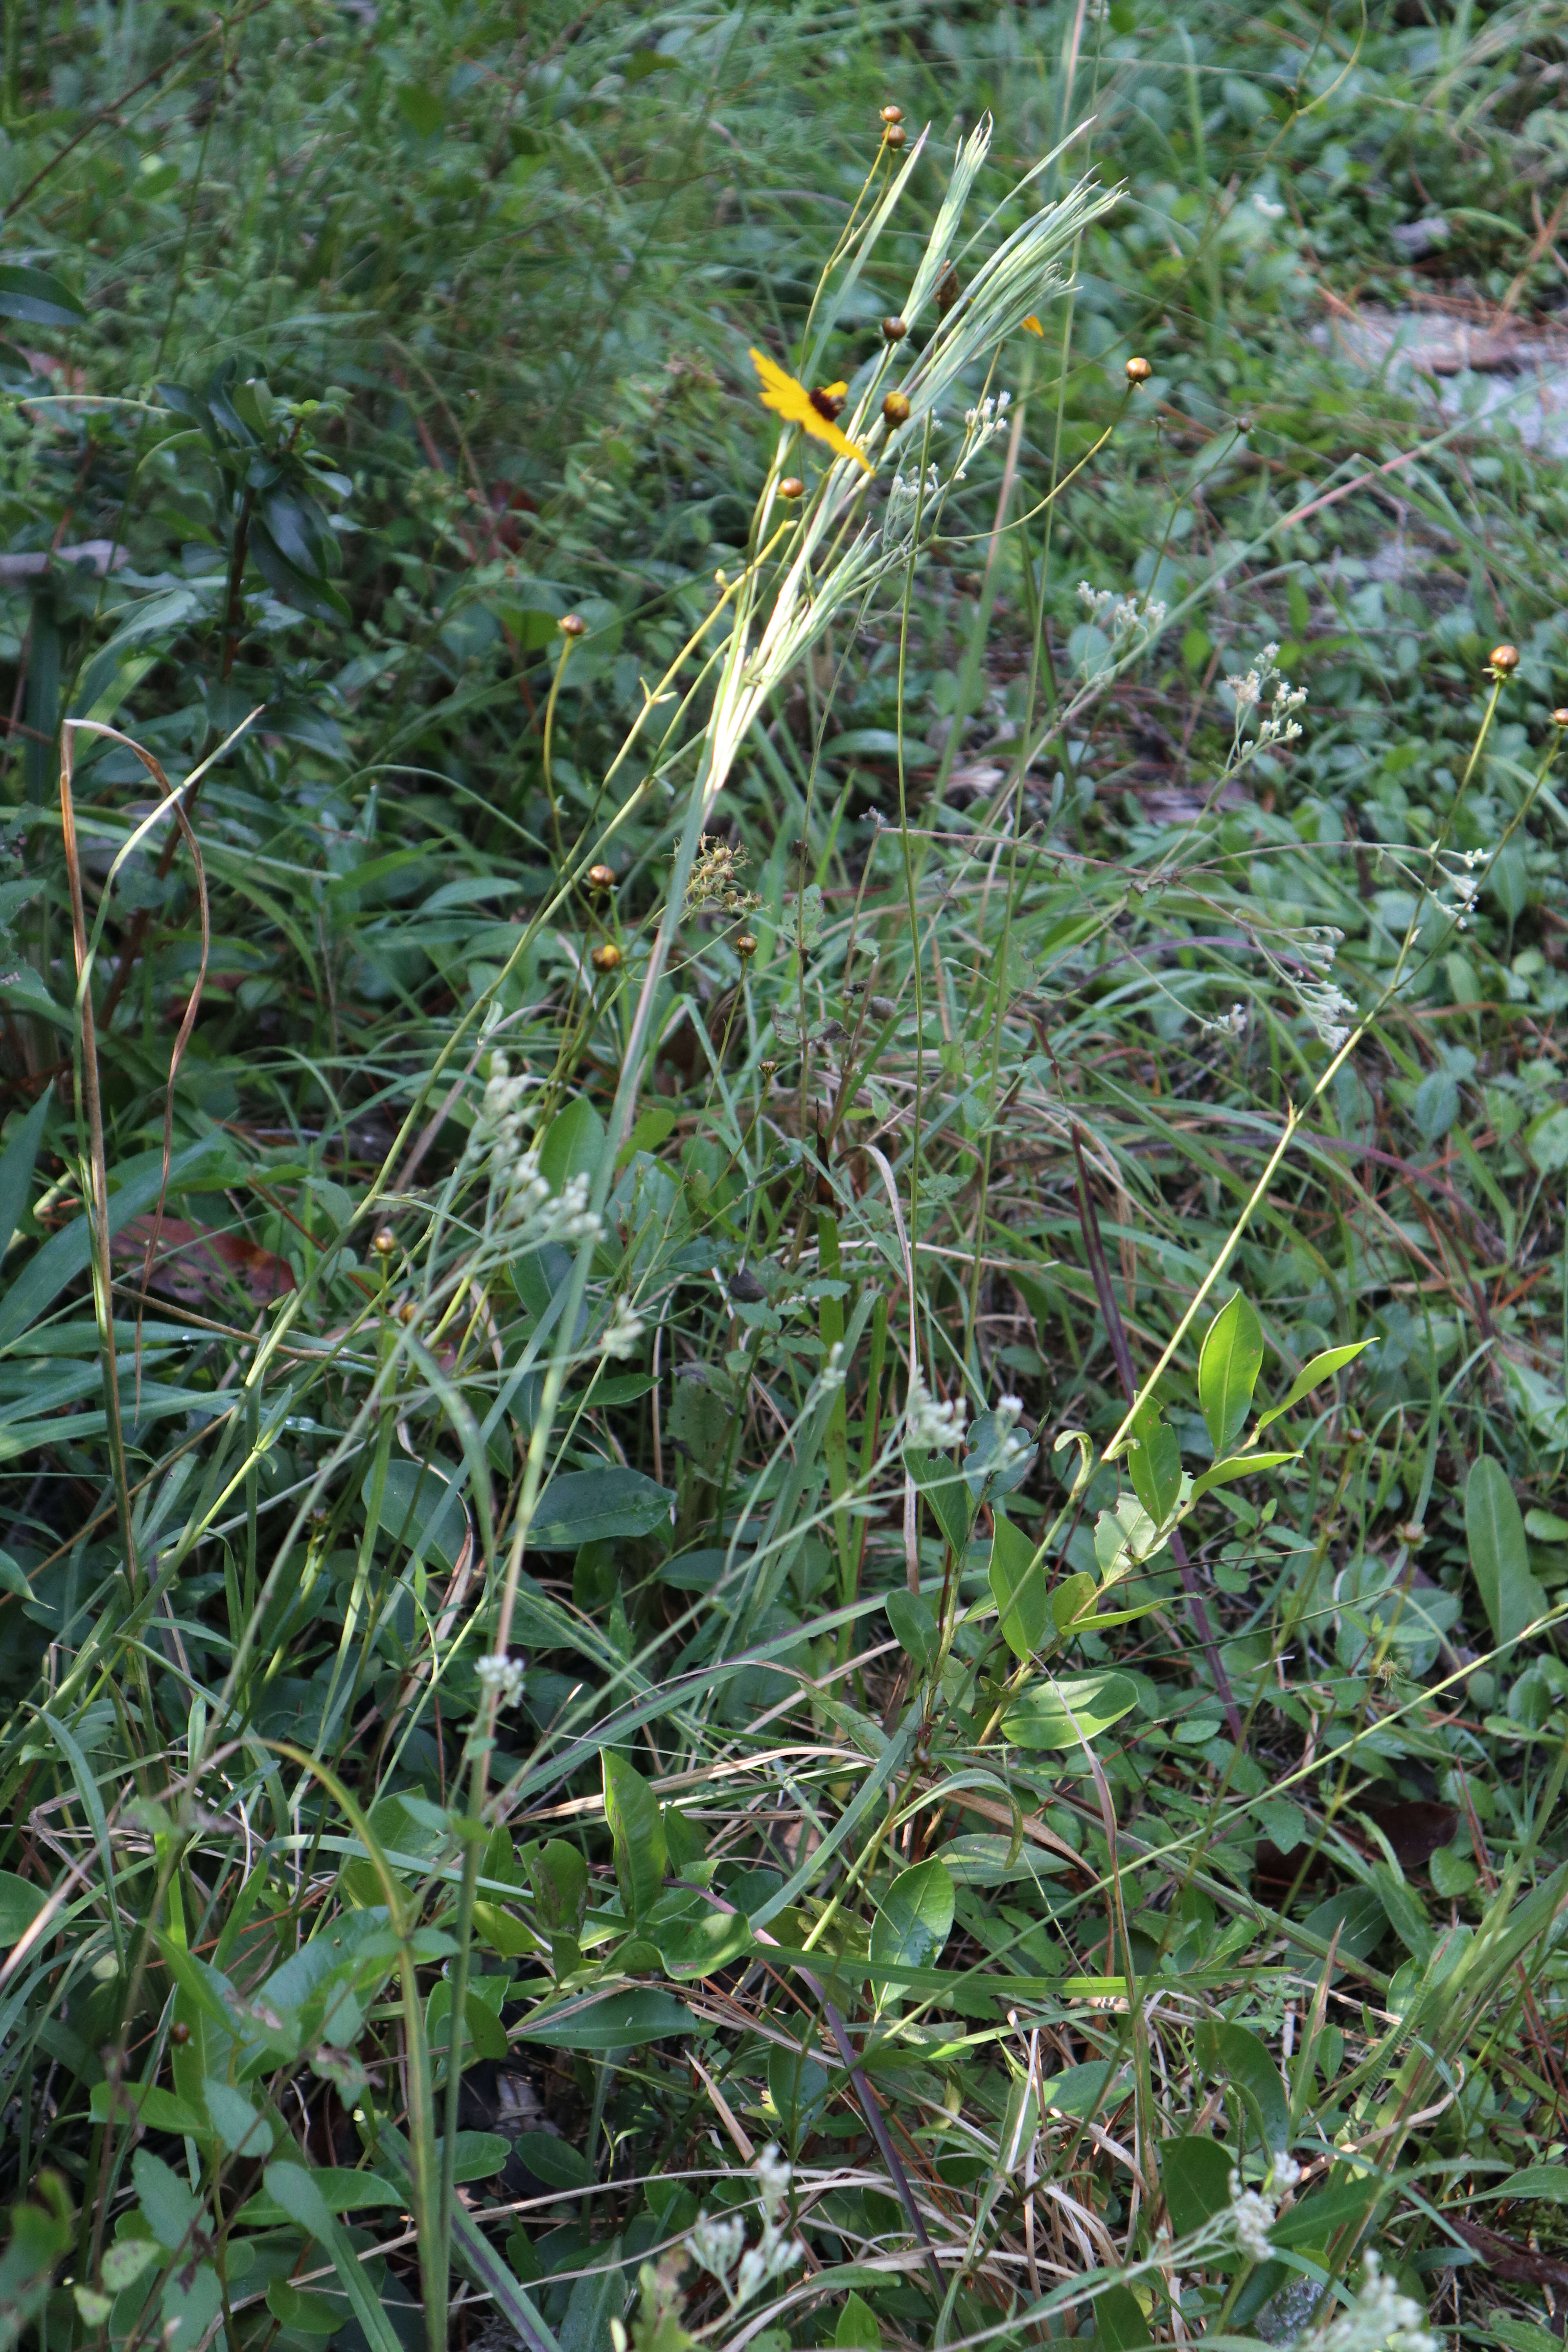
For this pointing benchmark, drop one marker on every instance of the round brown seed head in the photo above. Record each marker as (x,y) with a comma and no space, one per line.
(573,625)
(1139,370)
(385,1242)
(892,114)
(767,1068)
(180,2031)
(408,1311)
(894,134)
(600,878)
(746,946)
(894,329)
(607,957)
(1503,660)
(1560,719)
(791,488)
(896,408)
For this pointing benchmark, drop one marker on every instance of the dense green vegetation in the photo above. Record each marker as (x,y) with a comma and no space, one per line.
(786,1278)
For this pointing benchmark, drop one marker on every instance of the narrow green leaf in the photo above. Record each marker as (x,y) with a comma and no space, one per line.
(1311,1376)
(1155,1463)
(1023,1601)
(1237,1465)
(637,1832)
(17,1164)
(291,2185)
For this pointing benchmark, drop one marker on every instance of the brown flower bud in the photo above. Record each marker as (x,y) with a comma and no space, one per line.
(180,2033)
(573,625)
(385,1242)
(607,957)
(896,408)
(408,1311)
(1560,719)
(892,114)
(791,488)
(600,878)
(894,329)
(1503,660)
(746,946)
(894,134)
(767,1068)
(947,289)
(1139,370)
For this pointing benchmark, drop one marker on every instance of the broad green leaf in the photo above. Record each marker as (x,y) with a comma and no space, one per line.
(1549,2182)
(573,1143)
(1228,1365)
(302,2308)
(1194,2172)
(420,1509)
(1023,1601)
(476,2155)
(155,2108)
(622,2020)
(560,1878)
(637,1832)
(65,1256)
(1068,1710)
(914,1918)
(1086,2089)
(1406,1912)
(1231,2052)
(1311,1376)
(124,2260)
(168,2208)
(20,1904)
(37,297)
(597,2297)
(341,2189)
(1500,1556)
(554,2161)
(1073,1600)
(598,1506)
(857,2329)
(1155,1463)
(1119,2322)
(913,1620)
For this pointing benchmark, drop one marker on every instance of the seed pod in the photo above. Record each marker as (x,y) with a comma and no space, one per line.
(828,400)
(180,2033)
(894,329)
(385,1242)
(573,625)
(607,957)
(791,488)
(892,114)
(947,289)
(1503,660)
(746,946)
(894,135)
(896,408)
(600,878)
(1139,370)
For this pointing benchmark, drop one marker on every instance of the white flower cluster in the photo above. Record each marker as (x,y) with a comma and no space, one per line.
(1380,2319)
(1010,1450)
(520,1194)
(1466,887)
(1122,615)
(981,425)
(904,500)
(1252,2210)
(719,2247)
(1248,693)
(1229,1024)
(625,1328)
(499,1673)
(832,1375)
(928,1422)
(1331,1013)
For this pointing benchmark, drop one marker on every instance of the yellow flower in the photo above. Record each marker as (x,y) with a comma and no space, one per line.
(794,403)
(1034,325)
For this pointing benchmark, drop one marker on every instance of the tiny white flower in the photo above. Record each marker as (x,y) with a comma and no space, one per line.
(499,1673)
(927,1423)
(624,1330)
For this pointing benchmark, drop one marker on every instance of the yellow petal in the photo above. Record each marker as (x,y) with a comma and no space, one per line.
(1034,325)
(793,402)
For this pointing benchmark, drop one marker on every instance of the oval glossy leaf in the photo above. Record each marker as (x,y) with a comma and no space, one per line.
(1230,2054)
(914,1918)
(1311,1376)
(1237,1465)
(20,1904)
(1228,1365)
(38,297)
(913,1619)
(1500,1556)
(1194,2172)
(342,2191)
(621,2021)
(1067,1711)
(554,2161)
(598,1507)
(637,1833)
